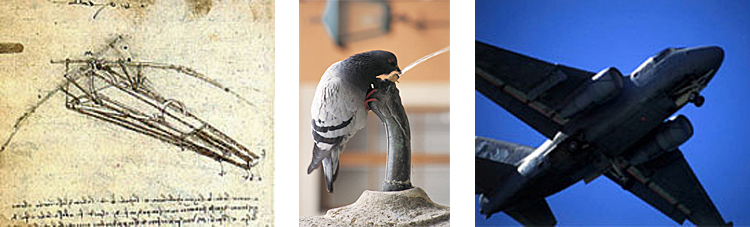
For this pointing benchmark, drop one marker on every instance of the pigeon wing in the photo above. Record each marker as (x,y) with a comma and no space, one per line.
(338,111)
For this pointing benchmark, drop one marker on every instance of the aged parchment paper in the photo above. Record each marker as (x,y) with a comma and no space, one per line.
(65,168)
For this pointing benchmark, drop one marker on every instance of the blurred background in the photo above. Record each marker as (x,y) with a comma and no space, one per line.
(332,31)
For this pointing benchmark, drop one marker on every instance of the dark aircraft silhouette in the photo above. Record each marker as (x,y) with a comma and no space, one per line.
(596,123)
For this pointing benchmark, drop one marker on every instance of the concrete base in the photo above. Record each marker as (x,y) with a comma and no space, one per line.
(375,208)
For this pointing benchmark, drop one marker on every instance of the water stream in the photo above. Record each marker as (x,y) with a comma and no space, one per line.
(425,58)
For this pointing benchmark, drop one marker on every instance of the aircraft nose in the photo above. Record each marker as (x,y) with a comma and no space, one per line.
(716,54)
(713,56)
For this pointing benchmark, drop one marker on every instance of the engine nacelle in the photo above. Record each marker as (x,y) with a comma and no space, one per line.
(602,87)
(671,135)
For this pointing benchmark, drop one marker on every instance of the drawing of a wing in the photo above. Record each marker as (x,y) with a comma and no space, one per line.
(110,86)
(115,93)
(668,184)
(533,90)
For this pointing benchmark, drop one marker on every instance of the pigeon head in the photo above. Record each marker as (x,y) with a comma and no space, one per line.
(366,67)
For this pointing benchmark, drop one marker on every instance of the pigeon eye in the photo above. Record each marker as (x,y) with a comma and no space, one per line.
(390,60)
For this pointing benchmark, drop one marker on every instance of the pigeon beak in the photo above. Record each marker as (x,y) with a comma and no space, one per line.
(394,76)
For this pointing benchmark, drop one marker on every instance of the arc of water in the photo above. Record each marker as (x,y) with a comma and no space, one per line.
(415,63)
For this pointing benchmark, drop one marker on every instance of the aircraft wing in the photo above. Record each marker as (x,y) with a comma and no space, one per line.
(668,184)
(531,89)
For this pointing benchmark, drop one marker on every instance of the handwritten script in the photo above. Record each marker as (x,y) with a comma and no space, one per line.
(133,210)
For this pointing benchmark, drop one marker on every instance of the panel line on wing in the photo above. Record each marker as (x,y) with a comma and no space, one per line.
(495,81)
(658,190)
(554,78)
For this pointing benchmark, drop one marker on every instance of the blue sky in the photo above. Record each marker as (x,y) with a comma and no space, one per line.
(592,35)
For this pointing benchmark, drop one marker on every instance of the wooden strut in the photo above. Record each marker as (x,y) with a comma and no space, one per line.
(391,112)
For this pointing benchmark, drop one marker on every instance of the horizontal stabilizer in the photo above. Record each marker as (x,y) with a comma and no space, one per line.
(495,160)
(532,213)
(499,151)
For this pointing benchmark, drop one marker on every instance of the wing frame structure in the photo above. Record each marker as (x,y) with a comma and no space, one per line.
(110,86)
(668,184)
(116,91)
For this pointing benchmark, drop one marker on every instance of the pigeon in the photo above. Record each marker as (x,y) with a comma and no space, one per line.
(340,106)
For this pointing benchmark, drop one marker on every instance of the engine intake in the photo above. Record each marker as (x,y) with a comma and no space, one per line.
(671,135)
(603,86)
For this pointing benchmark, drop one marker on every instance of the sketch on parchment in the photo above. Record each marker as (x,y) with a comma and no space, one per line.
(127,108)
(111,86)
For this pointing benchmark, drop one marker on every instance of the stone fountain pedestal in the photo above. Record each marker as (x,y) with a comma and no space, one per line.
(411,207)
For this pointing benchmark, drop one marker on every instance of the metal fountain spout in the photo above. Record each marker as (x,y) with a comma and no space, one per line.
(391,112)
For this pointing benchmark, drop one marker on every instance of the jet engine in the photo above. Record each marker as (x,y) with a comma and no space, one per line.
(603,86)
(671,135)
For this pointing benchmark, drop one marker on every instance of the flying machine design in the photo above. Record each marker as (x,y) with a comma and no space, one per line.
(111,86)
(596,124)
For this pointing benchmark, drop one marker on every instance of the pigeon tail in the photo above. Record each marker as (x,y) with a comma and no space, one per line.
(331,170)
(317,157)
